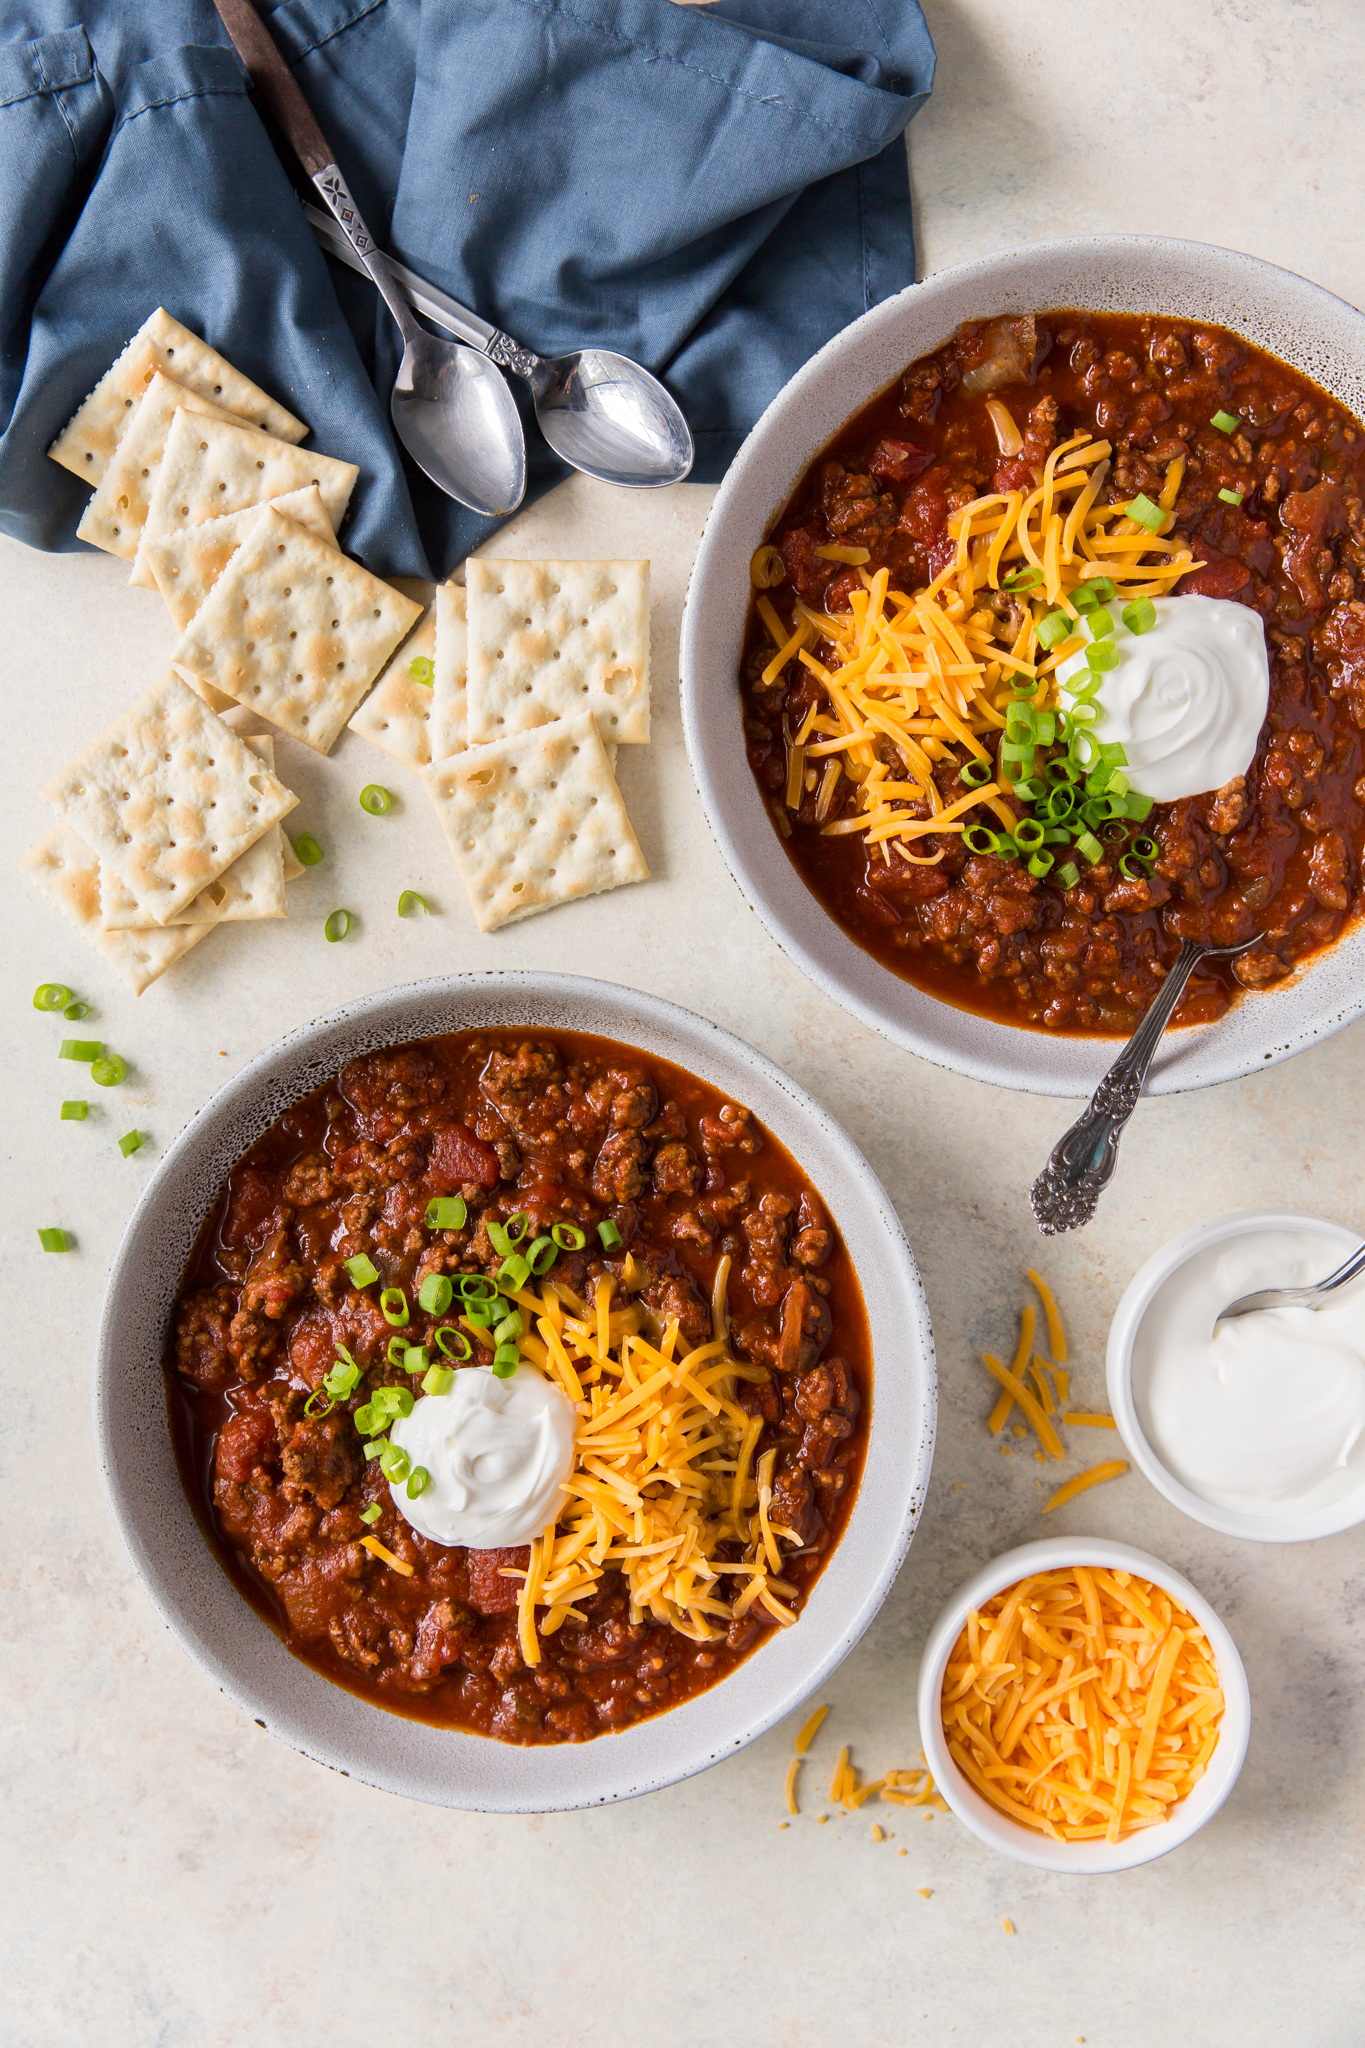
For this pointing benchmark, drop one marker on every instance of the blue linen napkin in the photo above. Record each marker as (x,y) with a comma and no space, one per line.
(716,191)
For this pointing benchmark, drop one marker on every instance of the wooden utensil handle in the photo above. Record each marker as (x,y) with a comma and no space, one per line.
(275,83)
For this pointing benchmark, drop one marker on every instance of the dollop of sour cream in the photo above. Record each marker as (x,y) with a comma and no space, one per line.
(1188,698)
(497,1453)
(1264,1414)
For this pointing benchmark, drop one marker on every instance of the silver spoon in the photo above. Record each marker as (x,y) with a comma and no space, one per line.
(1081,1164)
(600,411)
(1296,1297)
(451,410)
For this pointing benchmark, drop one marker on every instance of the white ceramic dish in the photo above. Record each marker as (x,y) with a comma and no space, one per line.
(1082,1859)
(1298,321)
(230,1642)
(1329,1521)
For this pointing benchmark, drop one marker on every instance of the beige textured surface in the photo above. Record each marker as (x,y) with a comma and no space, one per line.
(186,565)
(89,438)
(397,714)
(214,467)
(177,1877)
(117,511)
(167,798)
(294,630)
(547,639)
(534,820)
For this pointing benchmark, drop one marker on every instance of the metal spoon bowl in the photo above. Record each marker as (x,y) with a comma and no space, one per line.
(1295,1297)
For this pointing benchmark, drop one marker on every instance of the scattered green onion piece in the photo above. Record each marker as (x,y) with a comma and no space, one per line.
(308,850)
(1022,579)
(401,1400)
(1118,786)
(510,1327)
(362,1270)
(541,1255)
(51,995)
(517,1226)
(1089,847)
(1069,875)
(475,1287)
(319,1402)
(1045,728)
(1032,790)
(1145,848)
(1056,835)
(375,799)
(130,1142)
(1226,422)
(337,926)
(1062,771)
(980,839)
(416,1359)
(446,1212)
(480,1313)
(1231,497)
(109,1071)
(395,1350)
(609,1235)
(75,1011)
(1146,513)
(410,901)
(422,669)
(342,1379)
(366,1419)
(376,1449)
(513,1273)
(1137,806)
(75,1112)
(568,1237)
(394,1463)
(393,1306)
(1082,714)
(372,1513)
(439,1379)
(1028,833)
(974,774)
(83,1049)
(504,1238)
(1093,813)
(1040,863)
(1134,866)
(1100,622)
(1053,628)
(1059,803)
(1020,718)
(1140,615)
(505,1361)
(1013,756)
(419,1479)
(447,1330)
(1101,656)
(54,1240)
(1086,596)
(1101,588)
(1007,850)
(436,1294)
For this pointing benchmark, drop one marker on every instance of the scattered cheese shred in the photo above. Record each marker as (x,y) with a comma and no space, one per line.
(376,1549)
(1092,1421)
(1056,1335)
(1008,1926)
(793,1769)
(1114,1468)
(1017,1391)
(1083,1703)
(810,1730)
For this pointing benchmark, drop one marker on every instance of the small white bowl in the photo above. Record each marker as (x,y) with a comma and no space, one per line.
(1082,1859)
(1328,1521)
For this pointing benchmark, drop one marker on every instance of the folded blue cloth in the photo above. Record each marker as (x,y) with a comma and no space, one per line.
(713,190)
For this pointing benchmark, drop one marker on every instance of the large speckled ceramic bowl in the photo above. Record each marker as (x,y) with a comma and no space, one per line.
(228,1639)
(1305,326)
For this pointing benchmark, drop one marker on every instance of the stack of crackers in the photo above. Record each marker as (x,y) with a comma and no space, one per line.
(510,700)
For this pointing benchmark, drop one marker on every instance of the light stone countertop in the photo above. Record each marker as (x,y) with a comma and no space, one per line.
(176,1877)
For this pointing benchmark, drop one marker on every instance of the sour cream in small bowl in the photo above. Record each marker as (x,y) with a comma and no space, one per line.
(1254,1427)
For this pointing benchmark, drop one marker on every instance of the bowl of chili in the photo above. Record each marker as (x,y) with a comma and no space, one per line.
(230,1295)
(1012,959)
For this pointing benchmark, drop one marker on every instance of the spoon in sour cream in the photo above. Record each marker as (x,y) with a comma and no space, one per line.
(1296,1297)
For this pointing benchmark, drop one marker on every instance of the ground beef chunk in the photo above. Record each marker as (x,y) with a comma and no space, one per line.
(619,1175)
(321,1456)
(857,512)
(1227,809)
(1312,518)
(1329,872)
(202,1323)
(309,1180)
(677,1170)
(441,1635)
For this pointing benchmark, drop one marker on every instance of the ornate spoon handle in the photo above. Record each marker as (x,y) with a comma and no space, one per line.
(1082,1162)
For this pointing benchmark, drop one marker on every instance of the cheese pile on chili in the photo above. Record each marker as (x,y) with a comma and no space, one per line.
(934,671)
(1082,1702)
(663,1474)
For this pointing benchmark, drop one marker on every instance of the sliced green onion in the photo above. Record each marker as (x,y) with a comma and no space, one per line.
(376,1448)
(1226,422)
(456,1337)
(1100,622)
(1069,875)
(75,1112)
(974,774)
(343,1378)
(1118,786)
(514,1230)
(1134,866)
(1140,615)
(393,1401)
(436,1294)
(393,1306)
(337,926)
(1007,849)
(541,1255)
(980,839)
(1031,790)
(419,1479)
(394,1462)
(1101,655)
(308,850)
(130,1142)
(422,669)
(1056,835)
(1022,579)
(475,1287)
(1137,806)
(1028,833)
(410,901)
(51,995)
(438,1379)
(510,1327)
(75,1011)
(367,1418)
(372,1513)
(395,1350)
(1040,863)
(446,1212)
(1146,513)
(375,799)
(1063,771)
(1089,847)
(1145,848)
(609,1235)
(568,1237)
(83,1049)
(1045,728)
(1231,497)
(505,1361)
(513,1273)
(362,1270)
(109,1071)
(1059,803)
(416,1359)
(319,1402)
(1082,713)
(1020,718)
(54,1240)
(1053,628)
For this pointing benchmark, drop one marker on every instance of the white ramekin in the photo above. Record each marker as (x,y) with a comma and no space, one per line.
(1329,1521)
(1082,1859)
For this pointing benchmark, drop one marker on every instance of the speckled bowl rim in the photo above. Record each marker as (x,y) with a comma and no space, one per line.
(1348,1513)
(225,1636)
(1296,320)
(1083,1859)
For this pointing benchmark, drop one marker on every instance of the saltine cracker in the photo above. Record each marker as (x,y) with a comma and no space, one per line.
(211,467)
(253,887)
(114,518)
(398,711)
(68,874)
(548,639)
(186,565)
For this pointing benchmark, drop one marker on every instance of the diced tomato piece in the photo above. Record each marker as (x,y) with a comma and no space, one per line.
(244,1442)
(1219,577)
(488,1590)
(251,1207)
(458,1156)
(899,462)
(807,570)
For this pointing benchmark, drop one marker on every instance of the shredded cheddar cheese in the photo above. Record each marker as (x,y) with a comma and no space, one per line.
(377,1549)
(1097,1474)
(1083,1703)
(931,670)
(663,1476)
(1048,1397)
